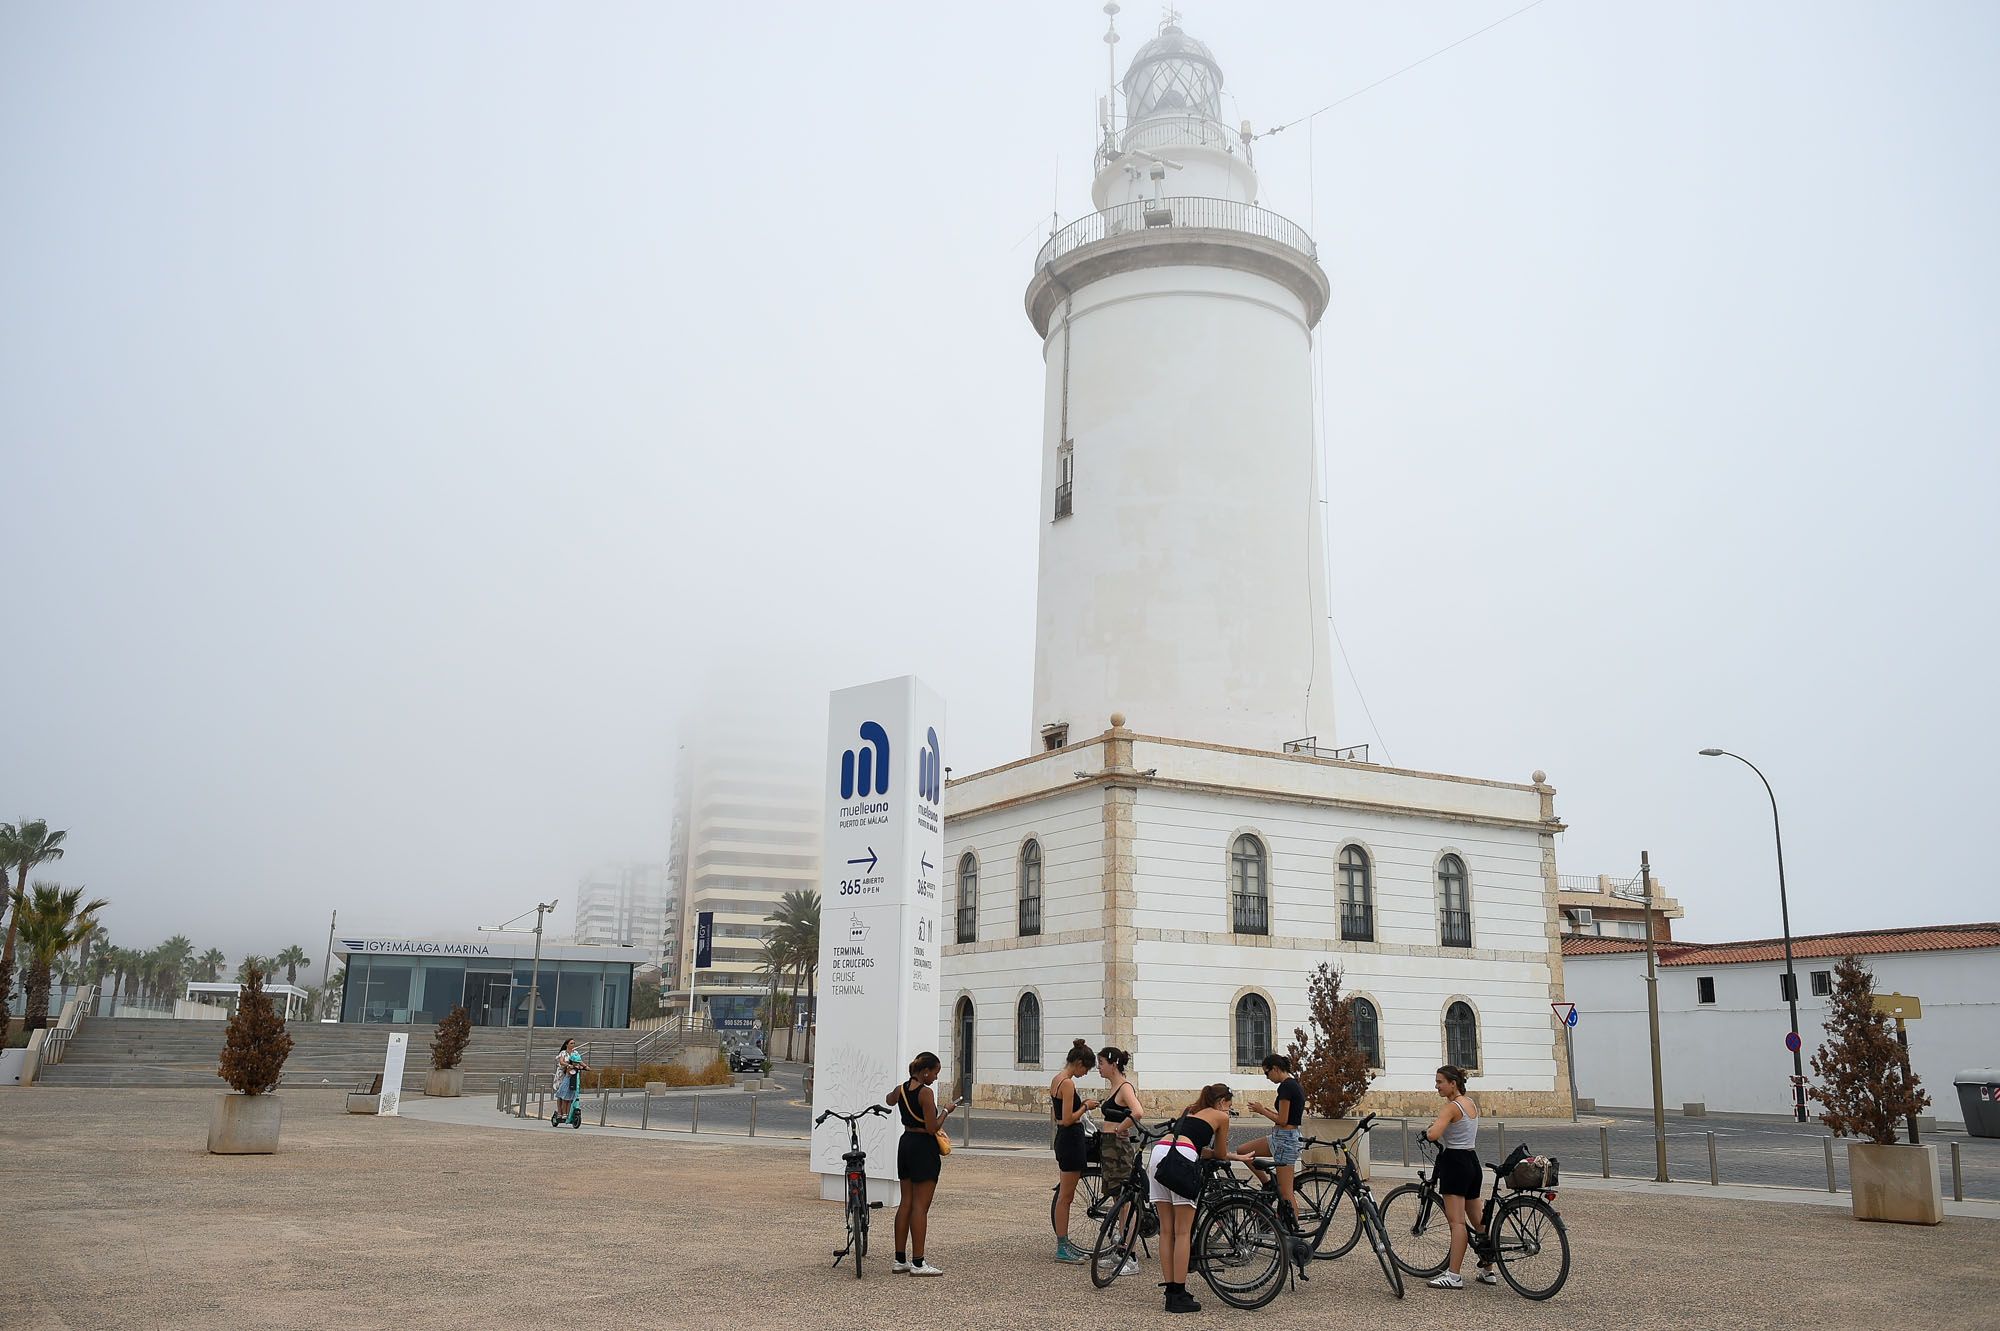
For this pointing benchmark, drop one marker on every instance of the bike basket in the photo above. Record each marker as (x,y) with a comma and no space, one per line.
(1534,1174)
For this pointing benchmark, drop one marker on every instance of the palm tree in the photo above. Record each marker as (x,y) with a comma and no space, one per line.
(775,961)
(291,959)
(97,940)
(208,966)
(797,920)
(23,845)
(252,962)
(52,921)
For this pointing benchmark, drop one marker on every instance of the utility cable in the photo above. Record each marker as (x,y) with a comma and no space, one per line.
(1341,101)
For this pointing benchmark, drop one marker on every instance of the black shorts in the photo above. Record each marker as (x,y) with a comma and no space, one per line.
(1458,1173)
(1072,1151)
(918,1159)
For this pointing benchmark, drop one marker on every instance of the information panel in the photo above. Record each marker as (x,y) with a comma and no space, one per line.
(879,951)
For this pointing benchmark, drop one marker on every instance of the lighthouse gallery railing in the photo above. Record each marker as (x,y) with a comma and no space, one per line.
(1178,211)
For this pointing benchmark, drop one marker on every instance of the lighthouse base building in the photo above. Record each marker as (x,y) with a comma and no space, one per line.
(1168,886)
(1172,898)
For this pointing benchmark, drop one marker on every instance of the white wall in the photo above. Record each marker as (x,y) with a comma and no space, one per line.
(1731,1055)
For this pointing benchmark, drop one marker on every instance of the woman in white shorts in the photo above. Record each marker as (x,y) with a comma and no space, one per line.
(1201,1130)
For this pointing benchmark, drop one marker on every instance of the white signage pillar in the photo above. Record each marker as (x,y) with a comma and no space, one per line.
(879,950)
(392,1074)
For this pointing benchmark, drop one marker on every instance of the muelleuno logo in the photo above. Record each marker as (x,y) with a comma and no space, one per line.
(865,771)
(930,768)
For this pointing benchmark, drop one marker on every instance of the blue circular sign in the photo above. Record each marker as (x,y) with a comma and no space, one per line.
(1793,1042)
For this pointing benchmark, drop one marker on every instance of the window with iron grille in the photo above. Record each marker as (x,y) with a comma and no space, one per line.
(1357,896)
(1461,1036)
(1031,889)
(1704,988)
(1454,903)
(1250,899)
(968,899)
(1368,1031)
(1253,1030)
(1822,983)
(1066,478)
(1788,986)
(1028,1030)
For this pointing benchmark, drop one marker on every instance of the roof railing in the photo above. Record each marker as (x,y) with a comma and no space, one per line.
(1179,212)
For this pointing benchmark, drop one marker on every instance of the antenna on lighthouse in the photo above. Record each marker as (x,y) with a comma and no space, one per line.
(1107,106)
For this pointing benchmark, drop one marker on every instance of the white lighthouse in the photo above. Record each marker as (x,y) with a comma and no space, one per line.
(1167,869)
(1182,576)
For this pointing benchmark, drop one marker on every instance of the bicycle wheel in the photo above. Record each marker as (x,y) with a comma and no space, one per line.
(1089,1195)
(857,1233)
(1419,1231)
(1318,1191)
(1378,1238)
(1240,1250)
(1533,1246)
(1117,1241)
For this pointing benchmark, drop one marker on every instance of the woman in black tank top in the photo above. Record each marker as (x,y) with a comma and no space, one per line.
(1202,1129)
(918,1161)
(1067,1108)
(1118,1145)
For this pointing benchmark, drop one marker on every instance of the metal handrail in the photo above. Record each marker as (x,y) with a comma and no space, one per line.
(1183,131)
(1180,212)
(56,1041)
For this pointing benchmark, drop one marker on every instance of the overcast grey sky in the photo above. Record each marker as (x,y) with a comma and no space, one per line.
(405,408)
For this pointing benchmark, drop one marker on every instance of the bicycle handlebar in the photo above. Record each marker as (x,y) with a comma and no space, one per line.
(851,1119)
(1367,1124)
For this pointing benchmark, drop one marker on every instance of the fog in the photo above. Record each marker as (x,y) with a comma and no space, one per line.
(409,412)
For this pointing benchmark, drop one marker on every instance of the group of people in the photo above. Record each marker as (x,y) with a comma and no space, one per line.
(1200,1131)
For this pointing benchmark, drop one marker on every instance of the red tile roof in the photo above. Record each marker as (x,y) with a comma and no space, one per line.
(1584,945)
(1862,943)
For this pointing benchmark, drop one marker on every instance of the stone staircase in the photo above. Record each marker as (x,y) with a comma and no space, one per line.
(135,1051)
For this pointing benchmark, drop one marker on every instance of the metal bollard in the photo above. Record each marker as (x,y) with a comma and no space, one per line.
(1500,1147)
(694,1123)
(1957,1176)
(603,1104)
(1827,1142)
(1404,1130)
(753,1114)
(968,1127)
(645,1109)
(1604,1147)
(1714,1178)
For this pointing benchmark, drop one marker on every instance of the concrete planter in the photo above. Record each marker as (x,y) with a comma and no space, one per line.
(244,1124)
(1896,1183)
(1314,1126)
(445,1082)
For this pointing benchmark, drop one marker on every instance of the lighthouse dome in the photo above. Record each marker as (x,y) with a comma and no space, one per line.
(1173,75)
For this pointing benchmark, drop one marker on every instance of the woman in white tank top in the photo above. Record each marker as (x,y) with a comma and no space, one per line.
(1456,1131)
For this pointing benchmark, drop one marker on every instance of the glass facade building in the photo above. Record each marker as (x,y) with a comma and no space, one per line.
(417,982)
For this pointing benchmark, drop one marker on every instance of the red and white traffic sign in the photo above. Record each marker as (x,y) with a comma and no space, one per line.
(1565,1013)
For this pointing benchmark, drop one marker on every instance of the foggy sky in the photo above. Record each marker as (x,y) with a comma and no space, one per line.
(406,409)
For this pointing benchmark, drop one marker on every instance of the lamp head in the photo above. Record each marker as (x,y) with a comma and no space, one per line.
(1711,753)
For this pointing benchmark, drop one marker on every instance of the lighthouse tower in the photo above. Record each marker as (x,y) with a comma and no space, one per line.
(1182,579)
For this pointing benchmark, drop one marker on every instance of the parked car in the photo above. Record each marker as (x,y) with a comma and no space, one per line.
(745,1058)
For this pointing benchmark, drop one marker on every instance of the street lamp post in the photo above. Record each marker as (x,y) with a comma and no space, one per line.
(1785,918)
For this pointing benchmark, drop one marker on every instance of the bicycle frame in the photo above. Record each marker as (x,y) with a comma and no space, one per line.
(855,1165)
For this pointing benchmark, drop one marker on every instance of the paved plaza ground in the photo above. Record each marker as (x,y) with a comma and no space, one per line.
(114,1216)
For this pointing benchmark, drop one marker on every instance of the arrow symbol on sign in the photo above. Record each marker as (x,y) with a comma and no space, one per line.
(926,862)
(870,861)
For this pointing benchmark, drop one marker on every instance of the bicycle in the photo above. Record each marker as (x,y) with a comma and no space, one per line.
(855,1163)
(1234,1226)
(1517,1234)
(1129,1219)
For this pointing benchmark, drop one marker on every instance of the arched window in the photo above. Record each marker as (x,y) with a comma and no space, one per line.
(1253,1030)
(1031,889)
(968,899)
(1249,898)
(1454,907)
(1461,1036)
(1368,1031)
(1357,896)
(1028,1030)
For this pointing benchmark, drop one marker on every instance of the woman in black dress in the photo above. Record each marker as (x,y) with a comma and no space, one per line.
(1067,1107)
(918,1161)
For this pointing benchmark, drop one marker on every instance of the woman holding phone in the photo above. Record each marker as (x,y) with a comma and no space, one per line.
(919,1161)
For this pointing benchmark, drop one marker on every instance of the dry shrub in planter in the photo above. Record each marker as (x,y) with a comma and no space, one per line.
(1865,1080)
(453,1034)
(1332,1069)
(255,1047)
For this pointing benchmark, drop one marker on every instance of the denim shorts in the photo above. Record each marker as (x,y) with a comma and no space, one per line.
(1285,1148)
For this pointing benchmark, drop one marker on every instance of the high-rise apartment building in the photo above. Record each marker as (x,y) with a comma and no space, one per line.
(627,904)
(746,832)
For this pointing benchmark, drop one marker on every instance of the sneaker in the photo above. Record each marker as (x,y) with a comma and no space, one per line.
(902,1265)
(1488,1276)
(1130,1268)
(924,1269)
(1449,1280)
(1066,1253)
